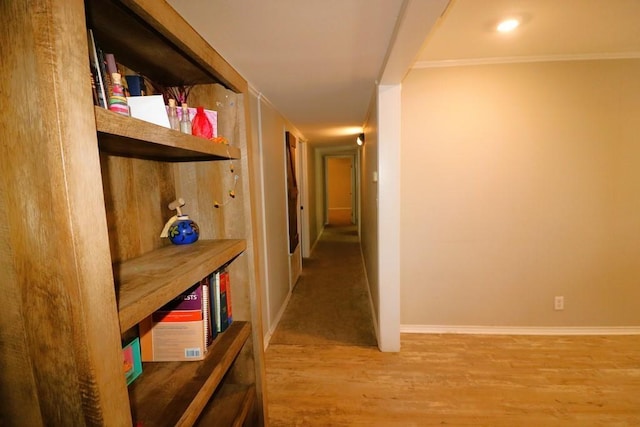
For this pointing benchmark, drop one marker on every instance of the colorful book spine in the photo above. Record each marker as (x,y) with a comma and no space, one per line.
(220,302)
(225,285)
(224,317)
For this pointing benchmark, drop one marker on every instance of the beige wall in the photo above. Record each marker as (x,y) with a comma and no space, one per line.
(521,182)
(275,208)
(268,127)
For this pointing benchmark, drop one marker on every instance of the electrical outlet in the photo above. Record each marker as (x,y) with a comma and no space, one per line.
(558,303)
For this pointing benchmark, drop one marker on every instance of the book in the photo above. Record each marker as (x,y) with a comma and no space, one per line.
(94,63)
(210,331)
(178,331)
(105,72)
(132,364)
(220,298)
(215,299)
(225,285)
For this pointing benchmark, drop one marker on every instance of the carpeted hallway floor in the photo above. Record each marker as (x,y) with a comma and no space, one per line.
(330,304)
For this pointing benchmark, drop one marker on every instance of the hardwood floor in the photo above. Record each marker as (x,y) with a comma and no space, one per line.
(460,380)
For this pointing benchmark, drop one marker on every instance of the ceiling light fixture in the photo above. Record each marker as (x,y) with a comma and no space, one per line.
(360,140)
(508,25)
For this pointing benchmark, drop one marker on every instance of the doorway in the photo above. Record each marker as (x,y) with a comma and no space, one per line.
(340,190)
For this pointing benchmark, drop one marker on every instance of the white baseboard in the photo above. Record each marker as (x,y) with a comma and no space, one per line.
(276,321)
(520,330)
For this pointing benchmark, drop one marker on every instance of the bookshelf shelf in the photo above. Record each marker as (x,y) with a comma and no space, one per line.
(230,408)
(130,137)
(148,282)
(175,393)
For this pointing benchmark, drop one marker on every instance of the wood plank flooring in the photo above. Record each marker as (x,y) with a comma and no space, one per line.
(458,380)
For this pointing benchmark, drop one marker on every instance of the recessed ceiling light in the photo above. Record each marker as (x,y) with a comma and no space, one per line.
(508,25)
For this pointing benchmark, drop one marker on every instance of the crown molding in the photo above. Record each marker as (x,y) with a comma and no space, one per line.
(521,59)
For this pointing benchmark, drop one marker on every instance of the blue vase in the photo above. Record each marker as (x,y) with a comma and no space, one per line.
(183,231)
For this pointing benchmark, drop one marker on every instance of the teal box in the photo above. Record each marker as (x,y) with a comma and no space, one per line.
(132,363)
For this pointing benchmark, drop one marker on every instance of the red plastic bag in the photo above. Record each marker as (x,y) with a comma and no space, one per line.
(201,126)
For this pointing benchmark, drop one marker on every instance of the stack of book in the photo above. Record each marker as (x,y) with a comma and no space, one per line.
(184,328)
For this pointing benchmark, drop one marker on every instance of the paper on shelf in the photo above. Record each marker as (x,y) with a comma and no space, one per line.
(149,108)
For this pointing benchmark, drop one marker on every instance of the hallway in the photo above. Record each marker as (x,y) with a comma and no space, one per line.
(329,314)
(330,303)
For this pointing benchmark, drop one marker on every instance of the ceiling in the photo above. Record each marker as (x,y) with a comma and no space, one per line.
(318,61)
(550,29)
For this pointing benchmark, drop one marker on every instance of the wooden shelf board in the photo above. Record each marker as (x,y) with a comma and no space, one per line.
(130,137)
(146,283)
(230,406)
(175,393)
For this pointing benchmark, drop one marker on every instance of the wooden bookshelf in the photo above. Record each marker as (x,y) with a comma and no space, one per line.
(148,282)
(174,393)
(88,191)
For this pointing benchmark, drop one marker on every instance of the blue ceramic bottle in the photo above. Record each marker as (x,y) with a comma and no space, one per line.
(183,231)
(180,229)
